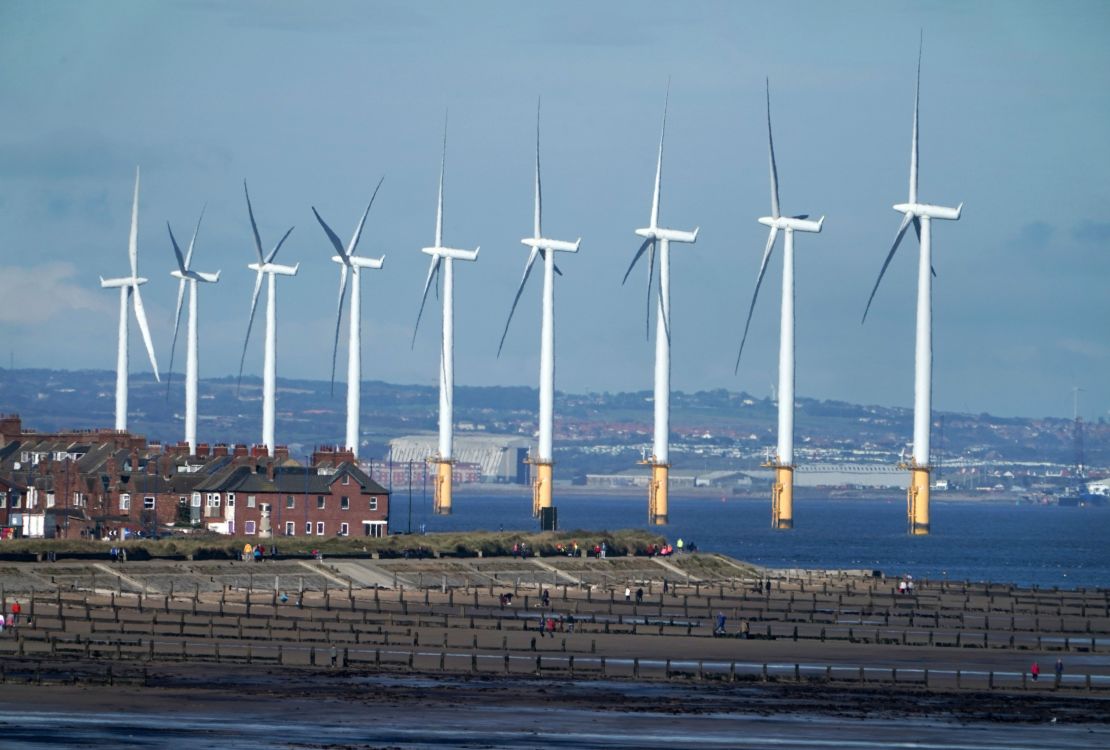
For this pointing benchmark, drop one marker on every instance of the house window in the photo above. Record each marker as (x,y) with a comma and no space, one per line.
(308,527)
(250,501)
(344,503)
(290,528)
(49,499)
(290,502)
(16,500)
(213,499)
(125,502)
(4,499)
(248,527)
(79,500)
(320,528)
(148,503)
(342,529)
(373,503)
(230,500)
(196,499)
(319,502)
(183,500)
(346,479)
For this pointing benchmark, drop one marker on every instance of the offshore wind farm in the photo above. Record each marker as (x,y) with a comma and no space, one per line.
(532,517)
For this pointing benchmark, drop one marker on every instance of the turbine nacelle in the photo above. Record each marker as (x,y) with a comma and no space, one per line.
(276,268)
(117,283)
(211,278)
(929,210)
(671,235)
(791,223)
(354,260)
(451,252)
(539,243)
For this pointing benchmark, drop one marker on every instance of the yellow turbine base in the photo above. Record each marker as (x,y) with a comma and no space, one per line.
(782,498)
(443,486)
(657,494)
(917,498)
(541,488)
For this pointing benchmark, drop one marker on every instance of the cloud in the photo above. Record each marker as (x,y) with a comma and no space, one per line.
(1035,235)
(35,295)
(1092,231)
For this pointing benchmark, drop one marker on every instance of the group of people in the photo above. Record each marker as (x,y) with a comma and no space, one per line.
(1035,670)
(257,552)
(628,594)
(12,620)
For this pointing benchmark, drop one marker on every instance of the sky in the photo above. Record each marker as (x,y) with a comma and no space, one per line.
(312,103)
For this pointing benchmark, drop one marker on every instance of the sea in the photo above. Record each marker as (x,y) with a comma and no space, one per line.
(1025,544)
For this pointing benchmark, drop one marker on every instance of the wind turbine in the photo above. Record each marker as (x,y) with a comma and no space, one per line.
(186,275)
(542,504)
(921,216)
(660,459)
(129,287)
(266,267)
(444,257)
(782,494)
(348,261)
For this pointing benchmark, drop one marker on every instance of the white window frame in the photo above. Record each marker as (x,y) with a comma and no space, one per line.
(4,499)
(49,499)
(344,503)
(149,502)
(373,503)
(196,500)
(248,527)
(125,501)
(344,529)
(230,500)
(290,502)
(308,528)
(346,479)
(320,528)
(290,528)
(321,502)
(213,499)
(251,501)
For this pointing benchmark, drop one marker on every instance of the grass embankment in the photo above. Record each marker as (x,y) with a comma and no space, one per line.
(454,544)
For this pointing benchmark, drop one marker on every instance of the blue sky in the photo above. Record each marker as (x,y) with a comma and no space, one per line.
(312,103)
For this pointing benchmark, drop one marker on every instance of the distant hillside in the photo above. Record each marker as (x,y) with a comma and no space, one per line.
(611,427)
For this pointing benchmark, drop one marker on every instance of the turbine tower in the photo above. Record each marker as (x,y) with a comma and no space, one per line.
(782,494)
(542,504)
(186,275)
(921,216)
(348,261)
(129,287)
(266,267)
(660,459)
(444,257)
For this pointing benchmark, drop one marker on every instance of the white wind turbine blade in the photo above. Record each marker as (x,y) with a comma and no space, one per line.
(916,100)
(358,230)
(192,242)
(539,193)
(636,258)
(520,289)
(250,324)
(433,271)
(338,320)
(140,315)
(659,161)
(897,239)
(181,265)
(759,280)
(274,252)
(771,150)
(335,241)
(439,199)
(133,242)
(254,225)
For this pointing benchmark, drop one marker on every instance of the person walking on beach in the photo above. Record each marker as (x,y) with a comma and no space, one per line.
(640,595)
(14,619)
(1,623)
(1035,670)
(1059,670)
(627,594)
(545,597)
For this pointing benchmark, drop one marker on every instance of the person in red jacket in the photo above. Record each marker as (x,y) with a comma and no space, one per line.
(1035,670)
(16,609)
